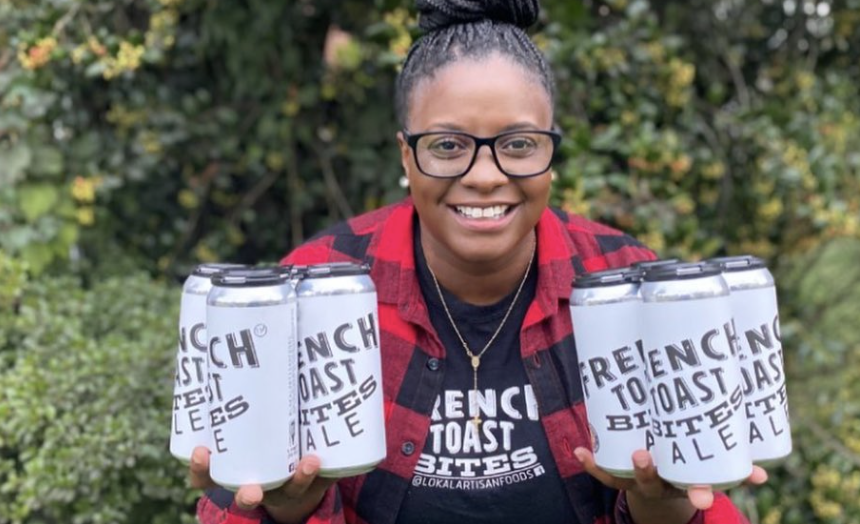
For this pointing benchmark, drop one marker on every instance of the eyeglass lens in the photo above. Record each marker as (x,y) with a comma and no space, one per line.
(518,154)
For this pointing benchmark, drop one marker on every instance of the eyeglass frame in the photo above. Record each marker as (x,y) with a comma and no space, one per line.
(412,142)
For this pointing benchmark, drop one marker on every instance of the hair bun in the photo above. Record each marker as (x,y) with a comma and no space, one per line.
(439,14)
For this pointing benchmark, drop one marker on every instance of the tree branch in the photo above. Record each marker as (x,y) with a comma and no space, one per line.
(332,184)
(824,437)
(712,138)
(250,198)
(65,19)
(5,58)
(293,189)
(207,175)
(737,79)
(812,57)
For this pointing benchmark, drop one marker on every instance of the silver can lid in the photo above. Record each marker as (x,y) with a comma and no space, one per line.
(737,263)
(211,269)
(298,272)
(337,269)
(608,277)
(681,271)
(251,277)
(646,265)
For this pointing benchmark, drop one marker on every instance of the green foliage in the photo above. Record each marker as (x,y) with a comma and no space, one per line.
(179,131)
(821,291)
(705,128)
(85,383)
(170,132)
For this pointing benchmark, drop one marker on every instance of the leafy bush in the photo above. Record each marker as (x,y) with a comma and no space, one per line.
(176,131)
(85,388)
(710,127)
(823,303)
(160,133)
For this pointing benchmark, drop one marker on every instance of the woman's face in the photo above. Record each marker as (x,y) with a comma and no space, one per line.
(484,99)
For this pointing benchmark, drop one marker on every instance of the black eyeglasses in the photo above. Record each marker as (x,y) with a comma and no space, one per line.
(451,154)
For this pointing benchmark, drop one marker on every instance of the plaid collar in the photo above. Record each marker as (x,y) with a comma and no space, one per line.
(394,262)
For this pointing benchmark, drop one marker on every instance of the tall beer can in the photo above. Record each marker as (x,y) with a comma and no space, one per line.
(340,372)
(252,354)
(190,422)
(606,309)
(754,306)
(698,421)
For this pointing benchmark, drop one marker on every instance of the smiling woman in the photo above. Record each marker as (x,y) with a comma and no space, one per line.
(473,273)
(465,241)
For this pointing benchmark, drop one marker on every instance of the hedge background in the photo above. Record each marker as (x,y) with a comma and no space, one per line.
(140,137)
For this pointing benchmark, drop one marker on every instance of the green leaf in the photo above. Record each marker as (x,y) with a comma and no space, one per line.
(37,200)
(608,140)
(68,235)
(38,256)
(13,161)
(48,161)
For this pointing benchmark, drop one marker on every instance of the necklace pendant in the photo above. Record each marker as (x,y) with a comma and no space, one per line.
(476,361)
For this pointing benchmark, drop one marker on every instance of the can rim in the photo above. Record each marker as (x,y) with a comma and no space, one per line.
(608,277)
(336,269)
(681,271)
(250,277)
(297,271)
(738,263)
(210,269)
(647,265)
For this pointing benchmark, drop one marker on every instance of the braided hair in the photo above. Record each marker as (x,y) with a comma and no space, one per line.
(473,29)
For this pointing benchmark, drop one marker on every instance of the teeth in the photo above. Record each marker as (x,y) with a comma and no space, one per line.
(493,212)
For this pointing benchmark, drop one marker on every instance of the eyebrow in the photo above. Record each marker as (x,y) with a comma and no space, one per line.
(517,126)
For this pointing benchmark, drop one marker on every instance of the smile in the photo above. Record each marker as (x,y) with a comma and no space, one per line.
(491,213)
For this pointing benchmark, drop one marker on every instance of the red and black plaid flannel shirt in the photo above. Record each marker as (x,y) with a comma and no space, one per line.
(412,377)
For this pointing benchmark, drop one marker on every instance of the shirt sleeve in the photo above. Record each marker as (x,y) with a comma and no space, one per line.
(217,506)
(722,512)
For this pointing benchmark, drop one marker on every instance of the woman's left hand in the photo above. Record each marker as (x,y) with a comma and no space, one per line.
(647,490)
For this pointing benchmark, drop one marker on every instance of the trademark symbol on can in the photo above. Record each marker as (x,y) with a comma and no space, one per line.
(260,330)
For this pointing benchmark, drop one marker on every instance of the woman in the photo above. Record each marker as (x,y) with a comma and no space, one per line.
(473,275)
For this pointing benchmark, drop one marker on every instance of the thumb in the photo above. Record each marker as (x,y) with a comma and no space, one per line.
(249,497)
(701,497)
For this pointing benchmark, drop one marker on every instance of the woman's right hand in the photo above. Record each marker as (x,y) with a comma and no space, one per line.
(290,503)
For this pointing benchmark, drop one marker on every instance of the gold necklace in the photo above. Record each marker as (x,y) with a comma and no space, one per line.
(476,359)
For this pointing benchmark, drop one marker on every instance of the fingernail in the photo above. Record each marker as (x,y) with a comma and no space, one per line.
(308,469)
(580,454)
(640,462)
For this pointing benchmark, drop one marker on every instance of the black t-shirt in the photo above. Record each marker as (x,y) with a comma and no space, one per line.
(502,470)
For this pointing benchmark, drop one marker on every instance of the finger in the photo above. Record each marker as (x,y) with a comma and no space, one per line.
(198,469)
(249,497)
(645,474)
(701,497)
(590,466)
(306,472)
(758,476)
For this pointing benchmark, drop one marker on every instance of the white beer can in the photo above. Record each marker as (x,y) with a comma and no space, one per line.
(606,309)
(340,371)
(190,421)
(698,421)
(754,306)
(252,354)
